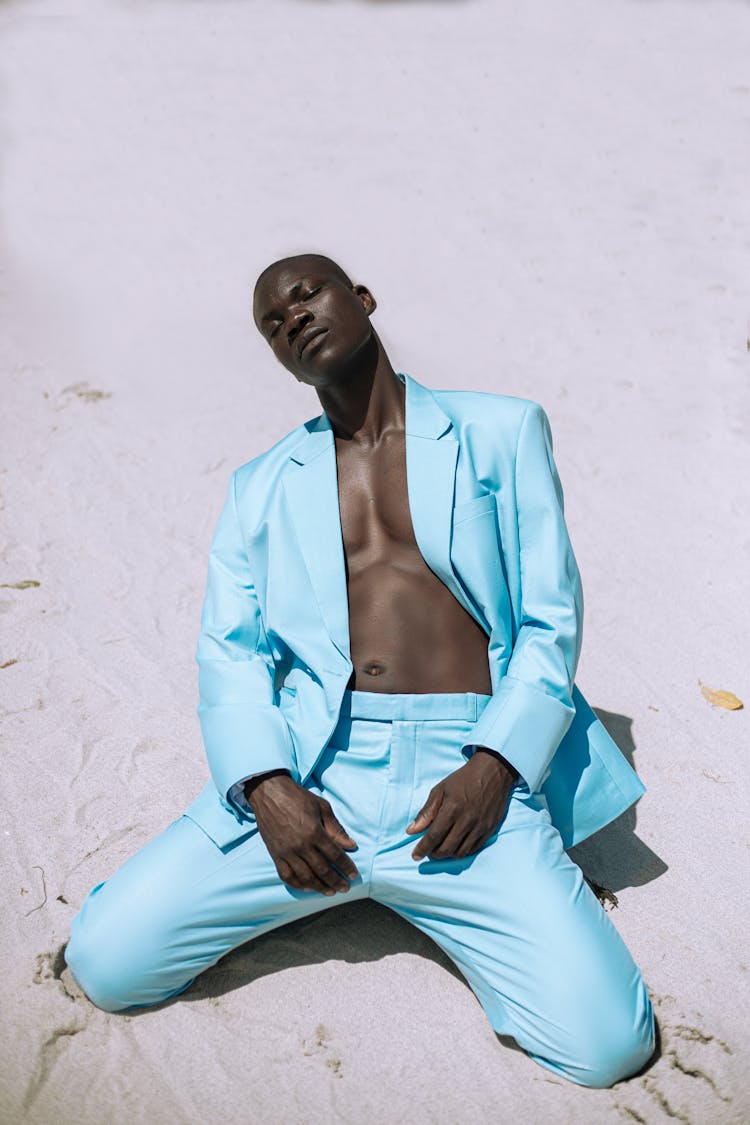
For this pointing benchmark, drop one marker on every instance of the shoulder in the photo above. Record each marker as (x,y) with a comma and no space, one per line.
(480,412)
(267,465)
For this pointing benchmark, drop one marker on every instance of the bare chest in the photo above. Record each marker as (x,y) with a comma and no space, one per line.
(374,502)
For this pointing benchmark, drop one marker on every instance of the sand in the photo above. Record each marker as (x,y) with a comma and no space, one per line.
(546,200)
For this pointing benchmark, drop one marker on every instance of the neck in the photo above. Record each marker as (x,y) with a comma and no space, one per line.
(369,401)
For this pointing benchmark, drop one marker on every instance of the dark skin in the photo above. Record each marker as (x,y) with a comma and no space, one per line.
(317,323)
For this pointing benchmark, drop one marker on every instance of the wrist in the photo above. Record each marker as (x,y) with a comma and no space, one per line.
(489,752)
(255,785)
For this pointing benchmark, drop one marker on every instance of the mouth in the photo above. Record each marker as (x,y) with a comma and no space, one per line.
(308,337)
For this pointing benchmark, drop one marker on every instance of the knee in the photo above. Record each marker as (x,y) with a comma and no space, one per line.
(102,987)
(98,967)
(624,1043)
(118,957)
(622,1060)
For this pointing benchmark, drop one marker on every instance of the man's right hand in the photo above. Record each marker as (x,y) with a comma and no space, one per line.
(303,837)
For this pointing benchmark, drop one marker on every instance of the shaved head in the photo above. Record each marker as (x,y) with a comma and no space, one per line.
(318,262)
(315,319)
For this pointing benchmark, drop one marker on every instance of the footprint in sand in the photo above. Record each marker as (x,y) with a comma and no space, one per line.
(51,967)
(318,1046)
(690,1081)
(85,392)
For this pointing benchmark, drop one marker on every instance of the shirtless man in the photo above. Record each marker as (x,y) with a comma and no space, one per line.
(355,695)
(399,610)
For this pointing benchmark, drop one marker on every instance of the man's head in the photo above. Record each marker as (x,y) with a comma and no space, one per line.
(316,321)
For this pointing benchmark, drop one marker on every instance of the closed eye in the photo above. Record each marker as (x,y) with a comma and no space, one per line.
(306,297)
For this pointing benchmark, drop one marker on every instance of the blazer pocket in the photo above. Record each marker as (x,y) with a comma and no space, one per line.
(222,827)
(476,507)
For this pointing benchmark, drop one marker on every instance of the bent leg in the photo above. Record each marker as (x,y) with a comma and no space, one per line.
(536,947)
(172,910)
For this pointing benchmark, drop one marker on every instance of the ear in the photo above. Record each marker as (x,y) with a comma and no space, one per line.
(368,301)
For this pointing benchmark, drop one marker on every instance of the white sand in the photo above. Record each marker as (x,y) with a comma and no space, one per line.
(547,200)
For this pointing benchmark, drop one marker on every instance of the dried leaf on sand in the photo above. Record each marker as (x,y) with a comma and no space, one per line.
(726,699)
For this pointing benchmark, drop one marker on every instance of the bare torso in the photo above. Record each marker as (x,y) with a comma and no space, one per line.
(408,632)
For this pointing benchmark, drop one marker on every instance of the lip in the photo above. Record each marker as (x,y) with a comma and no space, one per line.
(308,336)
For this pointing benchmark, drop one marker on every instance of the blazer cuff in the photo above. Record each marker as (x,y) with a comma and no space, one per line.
(243,740)
(523,724)
(236,797)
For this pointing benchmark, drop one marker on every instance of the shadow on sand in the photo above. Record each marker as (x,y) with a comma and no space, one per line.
(615,857)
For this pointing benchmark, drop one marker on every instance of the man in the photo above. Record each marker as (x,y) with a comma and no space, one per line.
(389,638)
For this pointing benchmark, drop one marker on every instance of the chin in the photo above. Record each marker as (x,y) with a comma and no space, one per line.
(331,362)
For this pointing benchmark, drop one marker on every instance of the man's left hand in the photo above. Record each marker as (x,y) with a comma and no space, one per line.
(465,808)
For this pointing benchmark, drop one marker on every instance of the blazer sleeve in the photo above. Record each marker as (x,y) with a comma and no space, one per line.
(532,706)
(244,732)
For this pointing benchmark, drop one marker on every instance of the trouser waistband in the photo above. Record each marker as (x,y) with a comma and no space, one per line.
(389,706)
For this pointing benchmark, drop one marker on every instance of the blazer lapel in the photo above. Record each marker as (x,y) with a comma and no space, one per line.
(313,497)
(311,487)
(431,462)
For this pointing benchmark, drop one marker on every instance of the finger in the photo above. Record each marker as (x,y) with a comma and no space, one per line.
(321,868)
(322,864)
(288,876)
(473,842)
(450,843)
(308,879)
(335,828)
(427,813)
(433,837)
(335,855)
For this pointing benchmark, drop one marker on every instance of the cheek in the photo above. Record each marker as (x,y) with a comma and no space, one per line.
(285,358)
(351,334)
(344,315)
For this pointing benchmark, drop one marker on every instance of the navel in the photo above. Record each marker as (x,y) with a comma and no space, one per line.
(374,668)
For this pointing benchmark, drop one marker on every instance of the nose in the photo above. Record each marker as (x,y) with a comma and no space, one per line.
(298,320)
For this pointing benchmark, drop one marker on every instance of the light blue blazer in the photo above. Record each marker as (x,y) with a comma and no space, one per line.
(487,509)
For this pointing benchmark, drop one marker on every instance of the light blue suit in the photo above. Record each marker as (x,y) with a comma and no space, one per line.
(487,510)
(517,917)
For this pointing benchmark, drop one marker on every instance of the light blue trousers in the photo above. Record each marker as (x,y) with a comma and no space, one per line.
(517,918)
